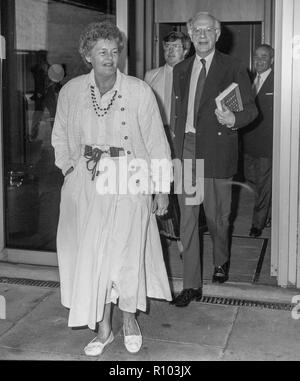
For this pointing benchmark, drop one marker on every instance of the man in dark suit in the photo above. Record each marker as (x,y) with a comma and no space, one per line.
(203,132)
(258,140)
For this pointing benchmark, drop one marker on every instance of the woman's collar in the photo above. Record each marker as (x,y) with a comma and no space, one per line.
(116,86)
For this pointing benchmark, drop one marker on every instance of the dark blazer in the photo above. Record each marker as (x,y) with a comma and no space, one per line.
(258,136)
(216,144)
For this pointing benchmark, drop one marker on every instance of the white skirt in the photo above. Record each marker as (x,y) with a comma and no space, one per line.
(108,250)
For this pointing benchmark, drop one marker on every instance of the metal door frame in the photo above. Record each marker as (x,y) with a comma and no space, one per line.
(31,256)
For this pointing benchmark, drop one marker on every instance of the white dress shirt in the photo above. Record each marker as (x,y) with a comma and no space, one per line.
(193,85)
(263,77)
(168,92)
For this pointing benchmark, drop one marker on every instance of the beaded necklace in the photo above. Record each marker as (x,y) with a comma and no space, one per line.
(101,111)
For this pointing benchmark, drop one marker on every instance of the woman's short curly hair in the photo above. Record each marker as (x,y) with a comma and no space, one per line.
(104,30)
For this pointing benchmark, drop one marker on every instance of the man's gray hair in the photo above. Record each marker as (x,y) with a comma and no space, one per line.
(268,48)
(192,20)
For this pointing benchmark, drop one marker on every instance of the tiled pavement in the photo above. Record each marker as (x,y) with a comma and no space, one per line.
(36,329)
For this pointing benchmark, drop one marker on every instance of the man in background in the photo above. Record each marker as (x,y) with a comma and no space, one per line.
(258,140)
(176,45)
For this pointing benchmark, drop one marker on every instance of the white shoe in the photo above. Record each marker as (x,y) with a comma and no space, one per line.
(95,348)
(133,343)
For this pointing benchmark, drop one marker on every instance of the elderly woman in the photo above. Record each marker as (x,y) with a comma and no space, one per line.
(107,242)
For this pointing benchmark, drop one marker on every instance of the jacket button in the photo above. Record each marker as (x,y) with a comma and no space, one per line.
(129,152)
(122,109)
(219,133)
(123,123)
(125,137)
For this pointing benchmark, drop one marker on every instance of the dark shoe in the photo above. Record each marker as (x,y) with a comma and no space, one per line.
(255,232)
(221,273)
(186,296)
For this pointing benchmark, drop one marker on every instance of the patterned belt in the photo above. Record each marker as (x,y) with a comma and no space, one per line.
(93,156)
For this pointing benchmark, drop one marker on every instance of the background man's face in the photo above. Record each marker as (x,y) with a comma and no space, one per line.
(204,35)
(262,60)
(173,52)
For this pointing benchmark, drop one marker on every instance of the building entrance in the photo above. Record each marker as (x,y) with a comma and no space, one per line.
(41,56)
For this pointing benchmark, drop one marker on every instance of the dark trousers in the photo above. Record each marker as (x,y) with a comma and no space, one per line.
(217,205)
(258,172)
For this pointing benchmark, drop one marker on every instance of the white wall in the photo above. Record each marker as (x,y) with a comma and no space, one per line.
(224,10)
(54,27)
(285,208)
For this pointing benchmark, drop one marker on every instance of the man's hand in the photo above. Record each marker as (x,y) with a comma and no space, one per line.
(160,204)
(226,117)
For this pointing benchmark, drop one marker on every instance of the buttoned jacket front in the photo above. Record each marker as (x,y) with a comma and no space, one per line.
(215,143)
(135,109)
(258,136)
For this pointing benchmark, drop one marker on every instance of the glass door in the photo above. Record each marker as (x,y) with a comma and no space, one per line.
(42,55)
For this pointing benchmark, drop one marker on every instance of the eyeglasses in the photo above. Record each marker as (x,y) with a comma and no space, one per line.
(168,46)
(199,30)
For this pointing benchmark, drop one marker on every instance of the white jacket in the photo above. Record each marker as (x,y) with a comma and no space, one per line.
(157,78)
(137,113)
